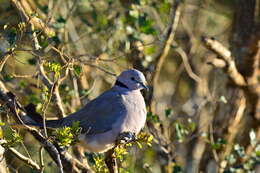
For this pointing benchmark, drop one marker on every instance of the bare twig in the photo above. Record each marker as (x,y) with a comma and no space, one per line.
(187,65)
(4,59)
(41,158)
(215,155)
(25,76)
(20,156)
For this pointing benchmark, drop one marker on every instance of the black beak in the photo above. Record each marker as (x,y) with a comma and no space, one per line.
(144,85)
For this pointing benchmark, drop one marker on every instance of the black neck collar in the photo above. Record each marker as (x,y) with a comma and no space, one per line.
(118,83)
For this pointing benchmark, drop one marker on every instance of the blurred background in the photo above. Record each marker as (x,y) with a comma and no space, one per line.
(59,54)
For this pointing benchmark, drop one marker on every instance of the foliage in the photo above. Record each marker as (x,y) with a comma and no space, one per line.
(10,135)
(240,161)
(67,136)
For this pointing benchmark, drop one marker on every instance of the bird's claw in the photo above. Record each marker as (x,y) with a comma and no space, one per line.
(125,137)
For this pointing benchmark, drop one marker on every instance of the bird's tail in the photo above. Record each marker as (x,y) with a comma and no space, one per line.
(35,119)
(48,123)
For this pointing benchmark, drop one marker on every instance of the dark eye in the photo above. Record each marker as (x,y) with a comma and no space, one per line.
(132,78)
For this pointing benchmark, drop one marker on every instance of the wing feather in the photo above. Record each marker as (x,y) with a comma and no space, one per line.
(100,114)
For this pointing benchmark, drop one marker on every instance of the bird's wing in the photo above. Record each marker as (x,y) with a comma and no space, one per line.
(100,114)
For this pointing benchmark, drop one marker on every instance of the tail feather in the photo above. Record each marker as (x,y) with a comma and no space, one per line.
(54,123)
(49,123)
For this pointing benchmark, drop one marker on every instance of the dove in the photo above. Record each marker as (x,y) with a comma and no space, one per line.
(119,110)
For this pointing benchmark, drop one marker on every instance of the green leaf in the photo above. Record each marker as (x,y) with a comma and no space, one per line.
(168,112)
(32,61)
(11,136)
(60,23)
(12,36)
(22,84)
(177,169)
(54,67)
(152,117)
(77,69)
(181,132)
(7,78)
(145,25)
(139,144)
(191,125)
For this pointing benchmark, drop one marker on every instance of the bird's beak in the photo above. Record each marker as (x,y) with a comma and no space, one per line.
(144,85)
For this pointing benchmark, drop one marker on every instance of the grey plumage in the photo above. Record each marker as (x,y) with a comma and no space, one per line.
(119,109)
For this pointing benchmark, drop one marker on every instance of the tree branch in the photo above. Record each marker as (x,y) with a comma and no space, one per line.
(226,56)
(20,156)
(60,158)
(25,10)
(164,50)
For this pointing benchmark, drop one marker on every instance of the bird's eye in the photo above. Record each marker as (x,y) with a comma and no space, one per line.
(132,78)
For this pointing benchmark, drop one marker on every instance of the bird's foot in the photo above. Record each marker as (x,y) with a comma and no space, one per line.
(125,137)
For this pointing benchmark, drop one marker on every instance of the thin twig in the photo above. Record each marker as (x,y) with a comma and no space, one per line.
(4,59)
(54,87)
(187,65)
(25,159)
(20,156)
(41,158)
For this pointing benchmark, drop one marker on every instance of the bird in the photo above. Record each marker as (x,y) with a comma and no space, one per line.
(119,110)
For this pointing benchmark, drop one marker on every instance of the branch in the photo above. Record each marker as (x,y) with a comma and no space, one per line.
(3,60)
(26,12)
(54,87)
(253,79)
(164,49)
(216,62)
(226,56)
(233,130)
(20,156)
(111,161)
(187,65)
(60,158)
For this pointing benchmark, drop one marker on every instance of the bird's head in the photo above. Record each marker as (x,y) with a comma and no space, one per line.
(132,79)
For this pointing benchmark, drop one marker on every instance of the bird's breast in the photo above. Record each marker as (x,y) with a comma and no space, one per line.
(134,119)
